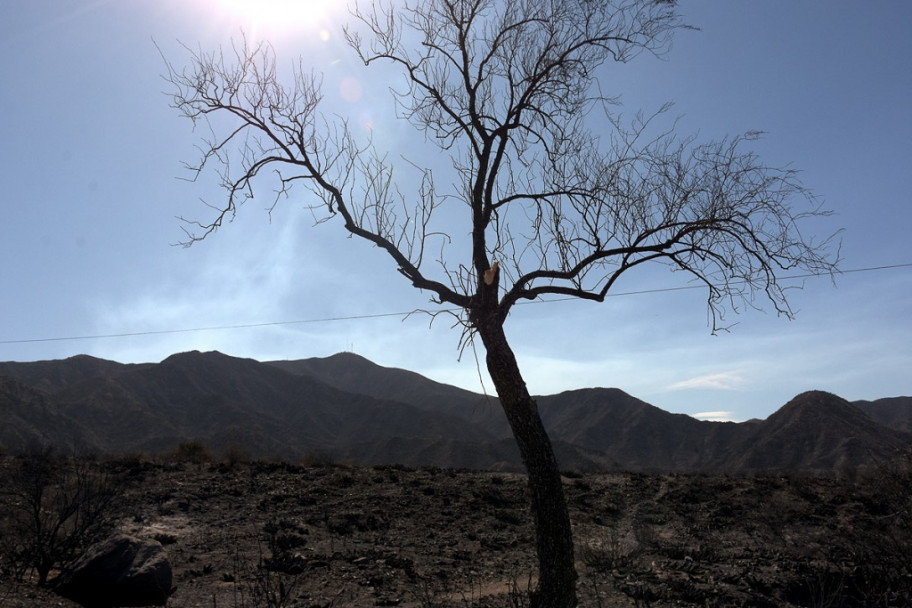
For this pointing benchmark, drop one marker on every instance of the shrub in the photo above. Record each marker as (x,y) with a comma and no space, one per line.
(316,459)
(235,455)
(193,452)
(885,576)
(53,508)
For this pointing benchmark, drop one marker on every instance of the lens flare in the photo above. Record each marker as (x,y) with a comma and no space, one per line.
(271,18)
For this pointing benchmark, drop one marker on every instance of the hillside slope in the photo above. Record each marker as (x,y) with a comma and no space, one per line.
(347,407)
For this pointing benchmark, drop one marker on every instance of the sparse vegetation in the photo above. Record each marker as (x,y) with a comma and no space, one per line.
(235,455)
(882,549)
(192,452)
(265,534)
(260,582)
(53,508)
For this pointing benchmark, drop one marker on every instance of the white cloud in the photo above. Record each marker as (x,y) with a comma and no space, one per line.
(723,381)
(717,416)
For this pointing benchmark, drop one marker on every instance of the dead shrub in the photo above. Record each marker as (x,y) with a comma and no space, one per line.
(192,452)
(53,508)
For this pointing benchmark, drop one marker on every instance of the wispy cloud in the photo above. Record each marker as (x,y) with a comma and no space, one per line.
(718,416)
(721,381)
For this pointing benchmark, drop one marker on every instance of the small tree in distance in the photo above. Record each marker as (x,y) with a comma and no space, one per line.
(555,202)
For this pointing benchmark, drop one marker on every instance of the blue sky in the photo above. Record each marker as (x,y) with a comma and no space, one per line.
(91,159)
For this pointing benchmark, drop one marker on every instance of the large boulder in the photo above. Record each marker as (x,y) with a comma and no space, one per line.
(120,571)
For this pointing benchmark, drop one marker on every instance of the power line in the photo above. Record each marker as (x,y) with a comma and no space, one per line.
(396,314)
(211,328)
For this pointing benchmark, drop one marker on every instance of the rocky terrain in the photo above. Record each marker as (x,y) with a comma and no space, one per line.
(322,534)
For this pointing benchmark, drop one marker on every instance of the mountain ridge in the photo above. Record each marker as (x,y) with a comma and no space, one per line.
(347,407)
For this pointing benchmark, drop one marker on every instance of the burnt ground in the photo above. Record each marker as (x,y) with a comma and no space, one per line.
(262,534)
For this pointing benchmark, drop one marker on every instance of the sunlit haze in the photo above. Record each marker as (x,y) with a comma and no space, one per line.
(93,178)
(269,19)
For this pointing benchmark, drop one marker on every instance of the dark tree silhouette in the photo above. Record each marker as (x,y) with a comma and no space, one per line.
(53,508)
(560,195)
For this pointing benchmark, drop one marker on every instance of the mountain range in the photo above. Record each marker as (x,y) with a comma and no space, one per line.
(346,407)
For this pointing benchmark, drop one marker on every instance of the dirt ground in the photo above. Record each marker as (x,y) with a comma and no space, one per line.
(262,534)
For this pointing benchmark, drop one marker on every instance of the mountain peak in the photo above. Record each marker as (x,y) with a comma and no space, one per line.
(817,396)
(204,357)
(192,354)
(815,411)
(816,404)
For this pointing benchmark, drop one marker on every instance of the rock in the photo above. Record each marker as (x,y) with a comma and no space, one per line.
(120,571)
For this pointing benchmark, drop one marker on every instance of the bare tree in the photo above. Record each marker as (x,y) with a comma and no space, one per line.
(54,508)
(560,196)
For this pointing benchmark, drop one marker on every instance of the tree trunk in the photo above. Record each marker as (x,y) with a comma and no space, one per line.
(554,539)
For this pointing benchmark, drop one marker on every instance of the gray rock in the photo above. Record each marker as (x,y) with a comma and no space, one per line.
(120,571)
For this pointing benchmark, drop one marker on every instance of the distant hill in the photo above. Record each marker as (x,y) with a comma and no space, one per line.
(634,434)
(51,376)
(816,431)
(894,412)
(346,407)
(28,419)
(355,374)
(225,401)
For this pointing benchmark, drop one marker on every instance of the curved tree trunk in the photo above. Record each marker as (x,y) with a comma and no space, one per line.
(554,539)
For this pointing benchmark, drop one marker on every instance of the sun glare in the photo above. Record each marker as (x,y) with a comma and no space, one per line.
(270,18)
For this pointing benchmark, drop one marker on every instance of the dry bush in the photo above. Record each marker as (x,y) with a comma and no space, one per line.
(884,574)
(53,508)
(235,455)
(192,452)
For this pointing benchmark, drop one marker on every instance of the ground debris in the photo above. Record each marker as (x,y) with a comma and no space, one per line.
(332,535)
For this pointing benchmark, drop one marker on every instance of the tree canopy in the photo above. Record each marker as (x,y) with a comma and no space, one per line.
(556,192)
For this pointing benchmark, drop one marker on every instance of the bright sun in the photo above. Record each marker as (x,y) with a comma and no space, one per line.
(278,17)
